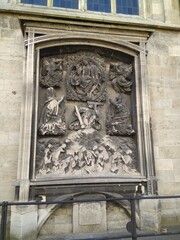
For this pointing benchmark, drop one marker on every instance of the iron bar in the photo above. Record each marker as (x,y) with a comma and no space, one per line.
(93,200)
(4,220)
(133,219)
(132,199)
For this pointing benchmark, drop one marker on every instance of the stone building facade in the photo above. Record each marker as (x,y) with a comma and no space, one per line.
(89,109)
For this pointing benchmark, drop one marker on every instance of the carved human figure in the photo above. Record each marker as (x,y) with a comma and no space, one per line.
(56,154)
(120,75)
(118,117)
(85,117)
(47,154)
(76,161)
(45,166)
(51,72)
(101,157)
(127,161)
(52,121)
(89,161)
(85,81)
(115,159)
(86,152)
(82,77)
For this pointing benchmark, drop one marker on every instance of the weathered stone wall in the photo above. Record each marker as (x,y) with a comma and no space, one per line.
(163,63)
(163,11)
(61,221)
(164,78)
(11,75)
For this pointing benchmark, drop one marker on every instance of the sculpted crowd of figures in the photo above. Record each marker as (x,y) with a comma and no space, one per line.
(97,137)
(87,152)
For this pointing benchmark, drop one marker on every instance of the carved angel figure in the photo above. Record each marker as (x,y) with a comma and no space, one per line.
(118,117)
(51,72)
(52,121)
(120,75)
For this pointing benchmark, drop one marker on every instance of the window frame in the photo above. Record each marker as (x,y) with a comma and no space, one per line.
(126,7)
(82,6)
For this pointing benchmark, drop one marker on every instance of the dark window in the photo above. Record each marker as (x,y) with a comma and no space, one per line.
(66,3)
(99,5)
(35,2)
(127,7)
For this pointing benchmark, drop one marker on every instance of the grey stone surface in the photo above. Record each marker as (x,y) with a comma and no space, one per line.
(117,217)
(89,217)
(59,222)
(11,69)
(89,213)
(23,222)
(113,236)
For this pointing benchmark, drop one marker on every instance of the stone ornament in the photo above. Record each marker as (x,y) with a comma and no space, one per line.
(118,117)
(96,140)
(52,120)
(86,117)
(86,152)
(85,80)
(51,72)
(120,77)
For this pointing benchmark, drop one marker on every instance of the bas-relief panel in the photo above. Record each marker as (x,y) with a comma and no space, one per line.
(84,117)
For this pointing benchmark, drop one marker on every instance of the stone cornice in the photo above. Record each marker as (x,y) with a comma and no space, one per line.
(46,14)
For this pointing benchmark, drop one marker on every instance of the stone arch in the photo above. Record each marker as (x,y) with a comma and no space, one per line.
(87,39)
(50,209)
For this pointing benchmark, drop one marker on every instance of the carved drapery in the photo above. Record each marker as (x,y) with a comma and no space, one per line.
(119,117)
(52,120)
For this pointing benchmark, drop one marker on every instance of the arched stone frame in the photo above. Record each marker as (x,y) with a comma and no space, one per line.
(48,210)
(34,44)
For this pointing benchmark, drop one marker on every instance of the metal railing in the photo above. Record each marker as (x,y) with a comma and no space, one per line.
(133,229)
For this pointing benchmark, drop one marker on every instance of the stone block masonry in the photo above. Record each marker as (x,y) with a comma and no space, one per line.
(11,77)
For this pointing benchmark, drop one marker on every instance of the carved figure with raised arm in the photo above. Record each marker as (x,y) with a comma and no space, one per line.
(52,120)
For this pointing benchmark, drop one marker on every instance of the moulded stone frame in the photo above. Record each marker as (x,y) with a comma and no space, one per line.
(30,104)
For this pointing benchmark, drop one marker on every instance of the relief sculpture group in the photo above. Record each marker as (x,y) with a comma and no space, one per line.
(85,122)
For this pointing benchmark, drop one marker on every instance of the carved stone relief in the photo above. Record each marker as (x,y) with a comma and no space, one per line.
(51,72)
(86,117)
(118,117)
(52,120)
(87,130)
(86,80)
(120,77)
(87,152)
